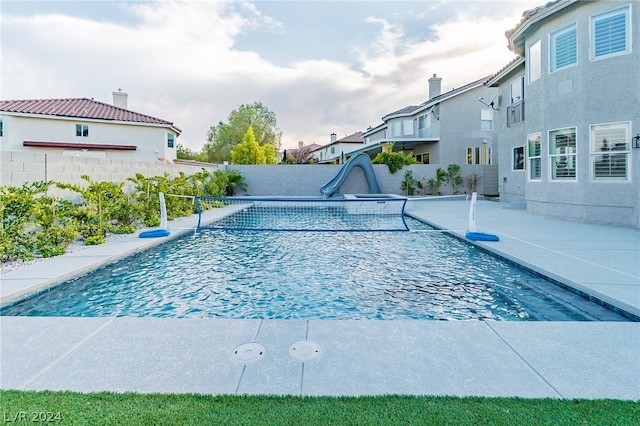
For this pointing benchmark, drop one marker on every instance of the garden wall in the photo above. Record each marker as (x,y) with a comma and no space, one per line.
(277,180)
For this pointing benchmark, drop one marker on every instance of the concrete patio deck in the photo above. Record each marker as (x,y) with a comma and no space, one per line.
(483,358)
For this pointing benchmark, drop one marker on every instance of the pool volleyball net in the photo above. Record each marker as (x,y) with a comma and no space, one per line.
(301,214)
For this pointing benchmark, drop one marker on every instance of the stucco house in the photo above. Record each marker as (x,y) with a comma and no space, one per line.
(451,127)
(86,128)
(569,112)
(337,149)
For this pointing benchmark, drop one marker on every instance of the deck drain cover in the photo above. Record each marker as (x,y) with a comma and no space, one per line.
(305,350)
(248,352)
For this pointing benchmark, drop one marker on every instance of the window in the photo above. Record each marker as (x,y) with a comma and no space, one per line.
(1,128)
(610,33)
(535,61)
(170,140)
(562,154)
(82,130)
(610,151)
(517,90)
(407,127)
(396,128)
(424,126)
(534,156)
(479,155)
(333,149)
(515,111)
(564,51)
(518,158)
(486,119)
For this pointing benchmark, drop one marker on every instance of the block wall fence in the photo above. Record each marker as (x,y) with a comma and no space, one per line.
(17,168)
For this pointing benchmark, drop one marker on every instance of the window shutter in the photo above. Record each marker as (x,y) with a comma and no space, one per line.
(566,49)
(611,35)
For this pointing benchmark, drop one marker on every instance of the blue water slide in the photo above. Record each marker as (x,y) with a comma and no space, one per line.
(361,160)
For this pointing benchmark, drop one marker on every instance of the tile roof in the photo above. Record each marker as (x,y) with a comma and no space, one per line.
(79,108)
(355,137)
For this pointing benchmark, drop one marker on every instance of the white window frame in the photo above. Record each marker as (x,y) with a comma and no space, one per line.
(171,140)
(396,128)
(567,155)
(424,126)
(534,62)
(593,20)
(407,127)
(479,155)
(518,161)
(486,119)
(534,156)
(553,39)
(621,149)
(82,130)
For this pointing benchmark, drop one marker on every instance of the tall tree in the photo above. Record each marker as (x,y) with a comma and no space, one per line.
(223,137)
(248,151)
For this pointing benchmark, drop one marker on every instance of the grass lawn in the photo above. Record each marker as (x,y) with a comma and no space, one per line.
(106,408)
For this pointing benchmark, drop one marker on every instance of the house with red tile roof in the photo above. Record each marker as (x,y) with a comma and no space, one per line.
(84,127)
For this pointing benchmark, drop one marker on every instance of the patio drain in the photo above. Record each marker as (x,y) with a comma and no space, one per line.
(305,350)
(248,352)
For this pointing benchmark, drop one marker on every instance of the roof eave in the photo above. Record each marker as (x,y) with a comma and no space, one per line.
(516,35)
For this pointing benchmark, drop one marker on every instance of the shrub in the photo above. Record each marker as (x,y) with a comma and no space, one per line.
(394,160)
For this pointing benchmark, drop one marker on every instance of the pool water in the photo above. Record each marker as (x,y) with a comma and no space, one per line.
(421,274)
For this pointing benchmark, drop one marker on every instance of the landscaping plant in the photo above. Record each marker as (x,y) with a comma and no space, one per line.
(33,223)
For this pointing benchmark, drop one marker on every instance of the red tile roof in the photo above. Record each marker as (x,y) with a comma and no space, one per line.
(79,108)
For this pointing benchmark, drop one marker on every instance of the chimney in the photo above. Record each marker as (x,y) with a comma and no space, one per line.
(300,144)
(120,99)
(434,86)
(334,137)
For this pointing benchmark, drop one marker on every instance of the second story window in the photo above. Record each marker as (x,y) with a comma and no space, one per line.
(424,126)
(1,128)
(610,33)
(515,111)
(486,119)
(534,61)
(563,48)
(170,140)
(82,130)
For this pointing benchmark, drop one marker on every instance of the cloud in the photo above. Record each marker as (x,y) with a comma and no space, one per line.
(178,61)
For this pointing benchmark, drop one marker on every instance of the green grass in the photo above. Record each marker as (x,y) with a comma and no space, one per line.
(189,409)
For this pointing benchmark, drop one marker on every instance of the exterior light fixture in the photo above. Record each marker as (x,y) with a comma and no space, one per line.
(636,141)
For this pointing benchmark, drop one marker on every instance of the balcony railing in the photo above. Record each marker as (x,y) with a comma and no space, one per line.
(515,113)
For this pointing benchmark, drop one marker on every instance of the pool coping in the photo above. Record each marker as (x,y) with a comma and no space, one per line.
(365,357)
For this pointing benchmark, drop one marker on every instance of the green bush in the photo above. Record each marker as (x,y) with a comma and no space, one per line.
(394,160)
(33,223)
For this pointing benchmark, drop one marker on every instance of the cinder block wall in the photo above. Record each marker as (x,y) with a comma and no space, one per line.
(277,180)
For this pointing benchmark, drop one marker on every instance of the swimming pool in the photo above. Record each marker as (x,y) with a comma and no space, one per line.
(421,274)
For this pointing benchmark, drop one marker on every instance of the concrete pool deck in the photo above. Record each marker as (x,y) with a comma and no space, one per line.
(220,356)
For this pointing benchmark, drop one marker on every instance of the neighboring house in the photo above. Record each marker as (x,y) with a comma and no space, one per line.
(84,127)
(451,127)
(336,151)
(301,155)
(570,112)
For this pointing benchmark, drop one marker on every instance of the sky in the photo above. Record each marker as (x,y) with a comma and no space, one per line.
(321,66)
